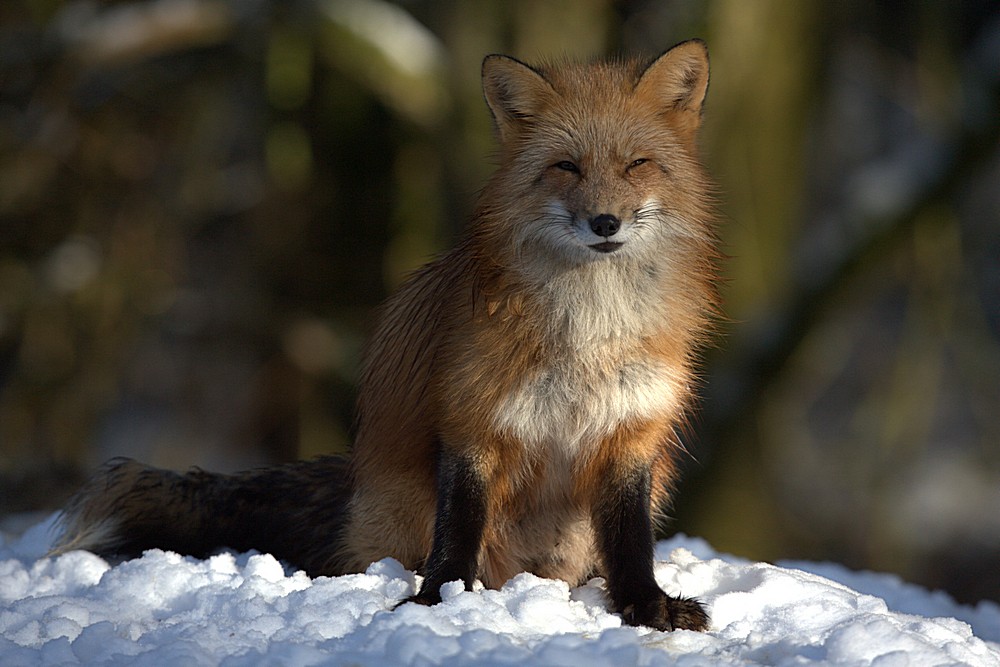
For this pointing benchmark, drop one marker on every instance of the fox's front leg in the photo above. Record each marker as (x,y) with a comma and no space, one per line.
(625,538)
(458,527)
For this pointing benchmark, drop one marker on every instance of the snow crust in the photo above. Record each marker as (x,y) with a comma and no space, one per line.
(247,609)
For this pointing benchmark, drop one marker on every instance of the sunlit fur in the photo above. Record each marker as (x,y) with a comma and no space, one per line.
(550,363)
(560,372)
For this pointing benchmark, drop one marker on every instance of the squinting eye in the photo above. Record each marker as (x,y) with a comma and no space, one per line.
(638,162)
(566,165)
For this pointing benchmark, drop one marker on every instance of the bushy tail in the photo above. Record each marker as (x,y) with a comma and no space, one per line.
(295,512)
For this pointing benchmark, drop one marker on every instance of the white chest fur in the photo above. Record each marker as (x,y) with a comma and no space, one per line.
(598,377)
(569,408)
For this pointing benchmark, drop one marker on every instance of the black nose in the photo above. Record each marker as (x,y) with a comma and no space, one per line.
(605,225)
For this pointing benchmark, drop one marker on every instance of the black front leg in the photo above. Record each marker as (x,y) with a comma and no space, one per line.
(625,536)
(458,527)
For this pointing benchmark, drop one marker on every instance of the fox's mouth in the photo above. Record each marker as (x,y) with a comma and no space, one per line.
(606,246)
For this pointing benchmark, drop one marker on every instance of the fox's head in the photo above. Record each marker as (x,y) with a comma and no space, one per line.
(598,161)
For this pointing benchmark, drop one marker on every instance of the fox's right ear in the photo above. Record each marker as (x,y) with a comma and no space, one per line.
(514,92)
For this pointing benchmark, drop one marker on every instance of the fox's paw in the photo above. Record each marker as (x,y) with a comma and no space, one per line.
(667,613)
(425,598)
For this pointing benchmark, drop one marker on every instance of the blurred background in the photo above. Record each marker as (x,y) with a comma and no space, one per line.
(202,202)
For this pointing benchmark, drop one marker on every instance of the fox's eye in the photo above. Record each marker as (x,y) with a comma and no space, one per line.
(636,163)
(566,165)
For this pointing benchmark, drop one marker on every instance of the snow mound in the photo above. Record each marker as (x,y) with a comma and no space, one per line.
(247,609)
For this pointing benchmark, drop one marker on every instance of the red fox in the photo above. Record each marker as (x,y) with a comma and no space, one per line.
(521,394)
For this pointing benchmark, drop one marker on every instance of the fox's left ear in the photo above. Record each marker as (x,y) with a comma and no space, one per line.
(677,82)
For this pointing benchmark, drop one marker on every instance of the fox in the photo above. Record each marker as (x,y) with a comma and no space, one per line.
(522,396)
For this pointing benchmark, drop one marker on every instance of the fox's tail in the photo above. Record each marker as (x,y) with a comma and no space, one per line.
(295,512)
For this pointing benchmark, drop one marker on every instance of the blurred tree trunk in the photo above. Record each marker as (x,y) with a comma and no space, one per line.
(765,70)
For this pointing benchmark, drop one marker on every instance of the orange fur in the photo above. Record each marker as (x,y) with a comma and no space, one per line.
(541,368)
(489,324)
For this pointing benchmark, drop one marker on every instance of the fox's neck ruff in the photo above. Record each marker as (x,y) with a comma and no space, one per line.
(598,372)
(602,304)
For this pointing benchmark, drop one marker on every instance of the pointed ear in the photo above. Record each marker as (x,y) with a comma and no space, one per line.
(514,92)
(677,83)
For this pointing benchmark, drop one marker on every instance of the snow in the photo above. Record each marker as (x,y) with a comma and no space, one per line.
(247,609)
